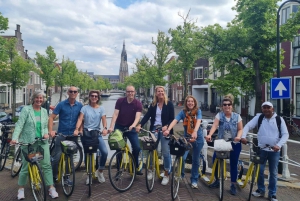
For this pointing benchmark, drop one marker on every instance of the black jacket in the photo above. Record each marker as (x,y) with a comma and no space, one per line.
(167,115)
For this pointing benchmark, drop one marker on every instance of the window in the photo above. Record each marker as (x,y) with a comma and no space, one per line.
(198,73)
(295,8)
(206,73)
(285,15)
(296,51)
(297,91)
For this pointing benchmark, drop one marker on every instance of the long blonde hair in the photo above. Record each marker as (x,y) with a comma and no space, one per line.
(154,102)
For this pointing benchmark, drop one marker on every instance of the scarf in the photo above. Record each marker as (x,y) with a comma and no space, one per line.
(190,121)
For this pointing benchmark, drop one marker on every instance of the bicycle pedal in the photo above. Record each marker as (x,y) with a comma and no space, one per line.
(205,178)
(240,183)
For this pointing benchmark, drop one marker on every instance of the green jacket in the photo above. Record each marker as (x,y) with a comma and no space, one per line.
(25,129)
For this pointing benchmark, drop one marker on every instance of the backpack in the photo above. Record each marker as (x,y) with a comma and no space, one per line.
(278,122)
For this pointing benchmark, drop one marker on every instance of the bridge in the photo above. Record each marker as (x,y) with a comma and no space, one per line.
(115,91)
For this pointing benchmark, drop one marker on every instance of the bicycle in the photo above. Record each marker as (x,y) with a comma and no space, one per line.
(16,164)
(66,169)
(293,128)
(150,143)
(90,165)
(4,144)
(77,157)
(202,170)
(36,177)
(178,146)
(121,168)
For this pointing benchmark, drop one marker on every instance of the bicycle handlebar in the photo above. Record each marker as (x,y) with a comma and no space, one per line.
(28,144)
(267,145)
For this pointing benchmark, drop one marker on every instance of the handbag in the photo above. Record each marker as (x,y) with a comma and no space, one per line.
(178,146)
(90,141)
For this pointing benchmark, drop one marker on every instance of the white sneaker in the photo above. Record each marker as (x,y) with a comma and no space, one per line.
(165,180)
(100,176)
(88,180)
(149,175)
(21,195)
(53,193)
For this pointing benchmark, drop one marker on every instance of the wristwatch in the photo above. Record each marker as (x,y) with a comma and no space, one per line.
(105,128)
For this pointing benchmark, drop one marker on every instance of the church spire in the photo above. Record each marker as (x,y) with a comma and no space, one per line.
(123,71)
(124,54)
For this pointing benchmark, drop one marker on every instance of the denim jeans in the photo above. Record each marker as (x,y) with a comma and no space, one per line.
(234,159)
(134,141)
(57,152)
(103,154)
(165,150)
(273,159)
(197,147)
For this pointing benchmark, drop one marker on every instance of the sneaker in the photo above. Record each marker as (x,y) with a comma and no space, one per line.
(216,184)
(87,181)
(138,172)
(53,193)
(100,176)
(165,180)
(232,189)
(21,195)
(149,175)
(68,182)
(194,185)
(257,193)
(273,198)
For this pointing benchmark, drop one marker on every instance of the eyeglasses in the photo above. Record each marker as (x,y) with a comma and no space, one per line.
(129,91)
(226,104)
(74,92)
(94,96)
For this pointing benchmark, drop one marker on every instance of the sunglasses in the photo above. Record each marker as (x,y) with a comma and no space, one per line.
(130,91)
(94,96)
(226,104)
(74,92)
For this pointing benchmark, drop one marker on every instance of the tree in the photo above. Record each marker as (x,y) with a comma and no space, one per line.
(244,51)
(47,65)
(3,27)
(16,71)
(65,73)
(185,46)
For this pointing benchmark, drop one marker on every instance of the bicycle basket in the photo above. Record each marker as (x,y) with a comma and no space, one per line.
(148,143)
(32,154)
(178,146)
(90,141)
(222,154)
(116,140)
(68,147)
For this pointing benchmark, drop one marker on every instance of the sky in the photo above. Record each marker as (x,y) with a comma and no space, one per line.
(91,32)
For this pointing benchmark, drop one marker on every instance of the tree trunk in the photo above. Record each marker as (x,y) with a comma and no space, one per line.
(13,99)
(185,92)
(60,94)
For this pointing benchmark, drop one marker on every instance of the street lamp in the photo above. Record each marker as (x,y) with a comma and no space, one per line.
(278,49)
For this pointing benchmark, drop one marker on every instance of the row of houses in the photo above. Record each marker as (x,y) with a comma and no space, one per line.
(208,96)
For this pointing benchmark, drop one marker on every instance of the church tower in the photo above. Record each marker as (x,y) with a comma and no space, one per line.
(123,72)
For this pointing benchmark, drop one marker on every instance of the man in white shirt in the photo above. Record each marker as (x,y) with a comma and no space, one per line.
(268,135)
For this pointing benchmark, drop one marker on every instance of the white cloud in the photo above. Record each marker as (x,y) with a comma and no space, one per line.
(92,32)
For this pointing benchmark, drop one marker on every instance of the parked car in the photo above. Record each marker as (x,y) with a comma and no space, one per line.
(2,114)
(18,110)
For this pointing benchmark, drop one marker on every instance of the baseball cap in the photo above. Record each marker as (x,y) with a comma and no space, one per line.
(267,103)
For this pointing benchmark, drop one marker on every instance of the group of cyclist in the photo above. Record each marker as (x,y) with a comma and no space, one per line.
(34,122)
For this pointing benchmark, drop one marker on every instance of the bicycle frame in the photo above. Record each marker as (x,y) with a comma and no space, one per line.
(126,161)
(88,158)
(216,162)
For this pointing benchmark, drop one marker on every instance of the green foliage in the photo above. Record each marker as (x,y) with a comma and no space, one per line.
(3,27)
(244,51)
(47,66)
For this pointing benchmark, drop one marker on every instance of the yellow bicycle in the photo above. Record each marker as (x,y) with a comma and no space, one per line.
(152,161)
(90,169)
(121,168)
(33,156)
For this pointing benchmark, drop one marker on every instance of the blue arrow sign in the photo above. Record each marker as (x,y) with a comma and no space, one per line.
(280,88)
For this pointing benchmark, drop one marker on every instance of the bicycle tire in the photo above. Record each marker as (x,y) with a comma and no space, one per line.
(16,165)
(77,163)
(297,130)
(68,176)
(90,173)
(253,174)
(176,176)
(3,154)
(118,176)
(150,169)
(38,186)
(221,161)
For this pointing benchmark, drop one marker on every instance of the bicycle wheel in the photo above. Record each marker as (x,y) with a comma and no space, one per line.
(176,177)
(68,175)
(37,183)
(141,161)
(296,130)
(221,161)
(253,175)
(150,171)
(3,154)
(16,164)
(121,171)
(90,156)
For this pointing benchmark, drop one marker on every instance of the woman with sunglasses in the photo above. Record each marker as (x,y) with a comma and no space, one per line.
(161,112)
(191,117)
(92,114)
(230,127)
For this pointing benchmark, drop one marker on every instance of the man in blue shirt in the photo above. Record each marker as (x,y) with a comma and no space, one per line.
(68,111)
